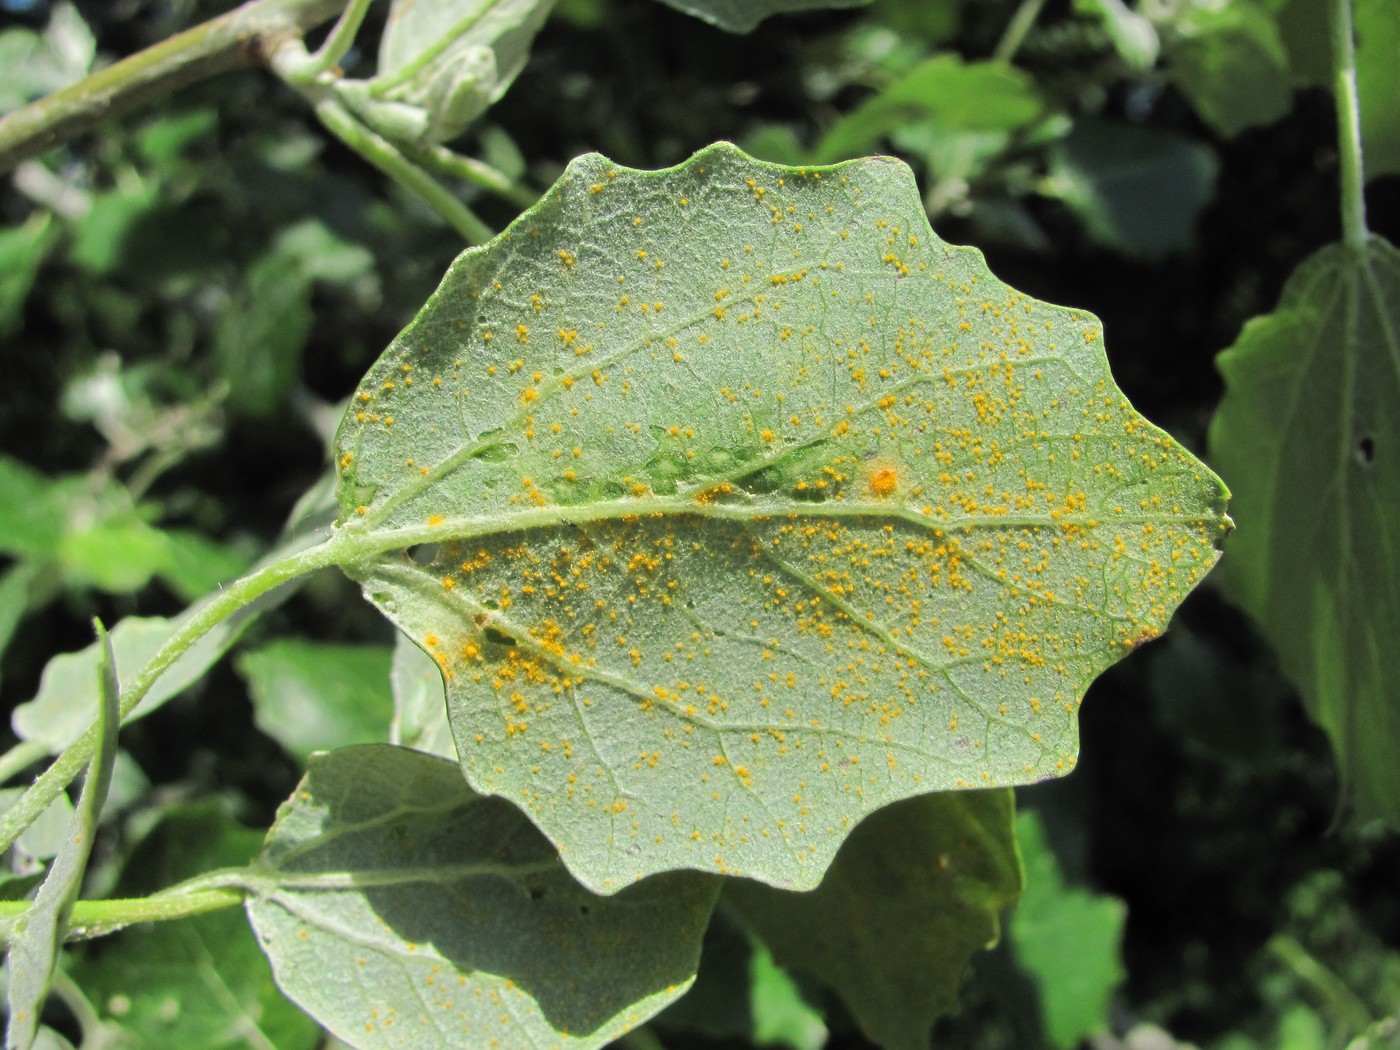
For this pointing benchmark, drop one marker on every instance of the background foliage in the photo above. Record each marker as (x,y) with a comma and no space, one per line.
(189,294)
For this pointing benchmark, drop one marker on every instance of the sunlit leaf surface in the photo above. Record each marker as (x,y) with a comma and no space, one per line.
(1307,436)
(734,505)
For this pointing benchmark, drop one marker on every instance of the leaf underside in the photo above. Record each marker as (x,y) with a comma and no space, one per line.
(1307,437)
(399,908)
(734,505)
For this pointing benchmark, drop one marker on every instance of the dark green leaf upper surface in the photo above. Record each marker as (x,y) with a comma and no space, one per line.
(1307,437)
(740,505)
(917,890)
(401,909)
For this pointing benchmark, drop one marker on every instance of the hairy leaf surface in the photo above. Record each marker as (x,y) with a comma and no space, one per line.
(399,907)
(734,505)
(1307,436)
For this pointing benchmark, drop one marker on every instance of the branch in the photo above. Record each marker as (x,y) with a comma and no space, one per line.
(245,36)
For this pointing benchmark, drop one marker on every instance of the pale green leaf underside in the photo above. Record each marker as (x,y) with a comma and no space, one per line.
(757,507)
(1307,437)
(399,908)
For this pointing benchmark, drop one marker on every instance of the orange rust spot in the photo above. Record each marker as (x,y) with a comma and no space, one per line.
(884,481)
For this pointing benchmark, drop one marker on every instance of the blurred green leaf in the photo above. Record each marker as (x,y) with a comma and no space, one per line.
(781,1014)
(391,898)
(915,891)
(1067,939)
(37,64)
(311,696)
(971,96)
(1377,52)
(1133,35)
(1137,190)
(22,250)
(15,583)
(200,982)
(117,552)
(194,565)
(263,332)
(100,239)
(931,22)
(33,509)
(66,702)
(1307,437)
(1229,61)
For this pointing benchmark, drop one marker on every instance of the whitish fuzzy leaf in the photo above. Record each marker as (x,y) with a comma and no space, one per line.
(442,63)
(395,903)
(915,892)
(310,696)
(756,507)
(1307,435)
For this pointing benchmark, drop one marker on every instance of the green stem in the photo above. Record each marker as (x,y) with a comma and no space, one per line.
(1354,232)
(245,36)
(385,156)
(98,918)
(476,171)
(220,606)
(1017,29)
(341,38)
(1340,1001)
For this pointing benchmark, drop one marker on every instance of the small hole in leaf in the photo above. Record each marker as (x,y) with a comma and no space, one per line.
(1366,450)
(583,909)
(423,553)
(498,637)
(536,893)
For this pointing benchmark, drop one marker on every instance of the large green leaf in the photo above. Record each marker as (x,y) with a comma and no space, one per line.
(916,892)
(1308,438)
(400,908)
(740,505)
